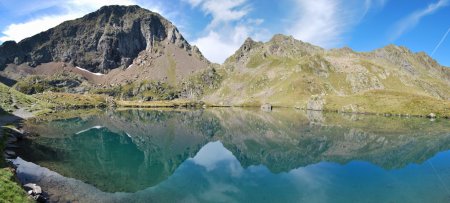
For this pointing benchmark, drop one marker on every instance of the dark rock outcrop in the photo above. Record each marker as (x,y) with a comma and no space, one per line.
(103,40)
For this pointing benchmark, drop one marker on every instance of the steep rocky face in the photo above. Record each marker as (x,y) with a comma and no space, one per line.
(109,38)
(287,72)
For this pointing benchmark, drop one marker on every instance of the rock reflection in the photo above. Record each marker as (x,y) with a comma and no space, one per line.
(130,150)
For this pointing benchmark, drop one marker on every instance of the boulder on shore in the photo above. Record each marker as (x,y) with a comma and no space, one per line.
(431,115)
(33,188)
(315,103)
(266,107)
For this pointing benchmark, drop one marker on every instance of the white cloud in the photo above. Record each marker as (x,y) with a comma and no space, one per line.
(212,154)
(228,28)
(413,19)
(324,22)
(21,31)
(222,11)
(217,46)
(71,9)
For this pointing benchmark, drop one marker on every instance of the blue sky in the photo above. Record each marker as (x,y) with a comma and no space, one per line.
(218,27)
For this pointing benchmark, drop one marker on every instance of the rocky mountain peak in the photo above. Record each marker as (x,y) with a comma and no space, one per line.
(243,51)
(281,38)
(278,46)
(108,38)
(248,44)
(283,45)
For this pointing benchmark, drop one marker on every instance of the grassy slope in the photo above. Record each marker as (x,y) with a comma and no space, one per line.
(151,104)
(67,100)
(290,81)
(11,99)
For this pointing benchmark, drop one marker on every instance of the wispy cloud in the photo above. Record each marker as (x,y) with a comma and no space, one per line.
(222,11)
(321,22)
(413,19)
(440,42)
(21,31)
(228,28)
(218,44)
(70,10)
(324,22)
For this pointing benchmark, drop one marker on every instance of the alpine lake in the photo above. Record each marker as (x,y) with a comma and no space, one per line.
(236,155)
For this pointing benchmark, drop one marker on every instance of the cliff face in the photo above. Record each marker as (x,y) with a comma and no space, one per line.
(109,38)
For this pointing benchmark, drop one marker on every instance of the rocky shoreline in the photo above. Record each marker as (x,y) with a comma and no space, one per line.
(12,136)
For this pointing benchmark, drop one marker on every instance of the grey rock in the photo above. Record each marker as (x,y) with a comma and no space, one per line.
(109,38)
(35,189)
(266,107)
(11,139)
(9,146)
(431,115)
(10,153)
(316,103)
(40,198)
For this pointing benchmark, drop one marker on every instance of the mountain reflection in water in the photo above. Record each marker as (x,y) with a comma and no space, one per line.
(242,155)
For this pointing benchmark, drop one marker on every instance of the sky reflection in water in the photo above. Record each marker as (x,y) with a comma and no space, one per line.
(243,156)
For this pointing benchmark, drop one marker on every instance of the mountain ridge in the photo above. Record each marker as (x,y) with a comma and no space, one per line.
(130,53)
(288,72)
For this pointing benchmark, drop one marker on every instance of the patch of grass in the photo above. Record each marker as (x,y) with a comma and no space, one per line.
(10,190)
(66,114)
(201,83)
(157,104)
(392,102)
(11,100)
(171,71)
(59,82)
(250,103)
(255,61)
(67,100)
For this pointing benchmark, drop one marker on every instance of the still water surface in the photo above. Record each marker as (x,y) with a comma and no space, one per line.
(238,155)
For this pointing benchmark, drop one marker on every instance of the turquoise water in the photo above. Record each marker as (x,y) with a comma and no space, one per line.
(239,155)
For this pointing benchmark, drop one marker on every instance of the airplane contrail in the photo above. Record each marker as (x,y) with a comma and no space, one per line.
(440,42)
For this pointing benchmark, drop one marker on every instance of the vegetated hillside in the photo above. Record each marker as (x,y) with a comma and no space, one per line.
(287,72)
(130,53)
(126,43)
(285,139)
(17,102)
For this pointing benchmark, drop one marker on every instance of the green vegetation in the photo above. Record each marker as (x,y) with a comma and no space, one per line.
(142,90)
(202,83)
(10,190)
(73,101)
(11,100)
(389,102)
(160,104)
(193,87)
(288,73)
(171,71)
(60,82)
